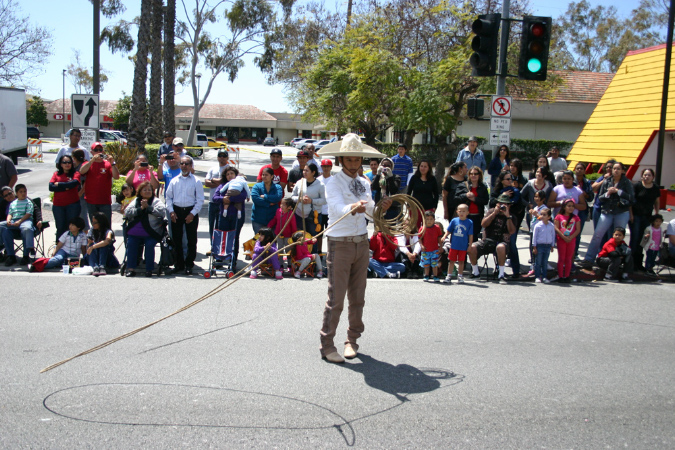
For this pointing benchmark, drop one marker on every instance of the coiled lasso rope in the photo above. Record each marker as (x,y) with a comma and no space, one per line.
(405,222)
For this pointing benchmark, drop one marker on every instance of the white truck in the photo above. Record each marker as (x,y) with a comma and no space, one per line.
(13,142)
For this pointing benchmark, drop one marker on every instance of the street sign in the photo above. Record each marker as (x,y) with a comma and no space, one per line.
(504,139)
(500,124)
(88,137)
(494,138)
(501,106)
(84,108)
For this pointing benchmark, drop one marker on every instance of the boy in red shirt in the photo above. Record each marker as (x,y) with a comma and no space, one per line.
(613,255)
(430,243)
(383,262)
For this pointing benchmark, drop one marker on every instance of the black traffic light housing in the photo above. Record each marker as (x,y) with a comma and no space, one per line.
(534,45)
(485,44)
(475,108)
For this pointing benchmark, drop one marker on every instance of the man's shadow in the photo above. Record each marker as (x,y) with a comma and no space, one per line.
(399,380)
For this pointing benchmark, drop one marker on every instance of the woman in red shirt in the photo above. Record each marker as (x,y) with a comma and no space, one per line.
(474,193)
(65,184)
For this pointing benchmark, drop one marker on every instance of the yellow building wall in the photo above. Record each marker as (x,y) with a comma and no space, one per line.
(628,112)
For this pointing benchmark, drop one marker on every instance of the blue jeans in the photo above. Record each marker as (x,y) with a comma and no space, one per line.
(105,209)
(60,258)
(383,269)
(257,226)
(541,260)
(99,256)
(583,216)
(133,244)
(606,223)
(25,231)
(650,262)
(63,215)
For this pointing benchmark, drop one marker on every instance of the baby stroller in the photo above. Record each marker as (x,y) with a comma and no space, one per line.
(166,257)
(218,247)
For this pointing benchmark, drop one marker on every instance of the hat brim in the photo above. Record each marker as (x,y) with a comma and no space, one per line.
(505,201)
(334,149)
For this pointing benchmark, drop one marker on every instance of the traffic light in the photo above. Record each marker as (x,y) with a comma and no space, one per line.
(475,107)
(534,44)
(484,61)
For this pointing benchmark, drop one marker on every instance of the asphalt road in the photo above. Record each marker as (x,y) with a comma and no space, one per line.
(472,366)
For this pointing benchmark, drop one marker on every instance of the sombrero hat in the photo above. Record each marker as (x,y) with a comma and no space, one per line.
(350,145)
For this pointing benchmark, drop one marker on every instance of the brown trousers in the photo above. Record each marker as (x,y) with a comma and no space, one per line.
(347,265)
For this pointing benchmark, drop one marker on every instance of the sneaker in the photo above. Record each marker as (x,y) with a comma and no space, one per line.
(627,280)
(448,279)
(538,280)
(393,275)
(530,273)
(319,274)
(555,278)
(546,281)
(10,261)
(297,274)
(651,272)
(102,272)
(609,279)
(254,275)
(502,280)
(95,272)
(460,279)
(279,276)
(437,280)
(563,280)
(25,260)
(474,276)
(426,278)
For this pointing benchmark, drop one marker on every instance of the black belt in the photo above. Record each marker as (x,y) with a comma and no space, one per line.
(183,208)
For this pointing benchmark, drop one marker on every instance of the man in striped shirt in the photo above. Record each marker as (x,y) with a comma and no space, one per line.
(19,223)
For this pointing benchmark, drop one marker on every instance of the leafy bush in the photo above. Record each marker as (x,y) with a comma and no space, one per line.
(672,187)
(287,144)
(593,176)
(151,153)
(123,154)
(117,185)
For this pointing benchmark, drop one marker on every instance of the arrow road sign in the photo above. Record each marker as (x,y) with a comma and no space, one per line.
(494,138)
(85,111)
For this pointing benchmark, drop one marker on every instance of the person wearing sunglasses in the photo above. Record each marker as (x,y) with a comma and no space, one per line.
(65,184)
(474,193)
(100,171)
(505,186)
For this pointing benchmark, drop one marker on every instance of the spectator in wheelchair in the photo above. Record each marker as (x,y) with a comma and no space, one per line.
(18,224)
(498,229)
(146,224)
(100,240)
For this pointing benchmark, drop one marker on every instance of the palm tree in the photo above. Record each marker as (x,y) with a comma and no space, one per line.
(137,120)
(169,66)
(155,109)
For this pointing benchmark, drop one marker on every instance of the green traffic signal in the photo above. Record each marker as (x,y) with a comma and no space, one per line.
(534,65)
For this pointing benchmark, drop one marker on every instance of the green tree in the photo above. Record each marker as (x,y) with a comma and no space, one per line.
(36,113)
(137,120)
(80,77)
(122,112)
(155,106)
(169,108)
(24,49)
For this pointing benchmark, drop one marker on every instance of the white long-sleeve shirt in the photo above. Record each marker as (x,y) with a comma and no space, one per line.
(341,193)
(185,192)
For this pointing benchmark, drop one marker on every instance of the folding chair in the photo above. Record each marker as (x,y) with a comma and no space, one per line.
(664,262)
(486,268)
(264,268)
(38,227)
(295,265)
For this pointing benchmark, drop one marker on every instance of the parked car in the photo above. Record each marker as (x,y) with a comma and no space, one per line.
(105,136)
(302,144)
(213,143)
(295,141)
(270,141)
(33,133)
(121,134)
(321,143)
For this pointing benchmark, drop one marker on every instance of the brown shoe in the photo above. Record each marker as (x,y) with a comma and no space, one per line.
(334,358)
(208,253)
(349,351)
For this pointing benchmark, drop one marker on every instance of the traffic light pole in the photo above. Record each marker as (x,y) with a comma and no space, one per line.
(503,48)
(664,95)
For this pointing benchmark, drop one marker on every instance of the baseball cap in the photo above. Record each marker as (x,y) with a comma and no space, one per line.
(168,134)
(96,144)
(178,141)
(222,152)
(302,153)
(276,151)
(473,138)
(326,162)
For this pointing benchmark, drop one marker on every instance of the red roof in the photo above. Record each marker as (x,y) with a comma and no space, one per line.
(57,106)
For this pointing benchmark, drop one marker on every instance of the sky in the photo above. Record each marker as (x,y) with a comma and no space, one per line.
(70,24)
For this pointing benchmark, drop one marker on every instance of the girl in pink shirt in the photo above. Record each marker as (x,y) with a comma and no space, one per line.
(567,227)
(301,254)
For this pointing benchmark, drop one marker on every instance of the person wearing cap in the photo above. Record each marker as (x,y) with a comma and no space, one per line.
(280,172)
(471,155)
(311,157)
(499,227)
(295,173)
(212,181)
(403,167)
(349,200)
(100,171)
(166,146)
(74,144)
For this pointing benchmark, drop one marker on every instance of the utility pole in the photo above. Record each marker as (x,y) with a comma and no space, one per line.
(664,94)
(97,47)
(503,48)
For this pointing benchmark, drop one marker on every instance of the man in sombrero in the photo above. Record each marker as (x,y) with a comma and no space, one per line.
(348,256)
